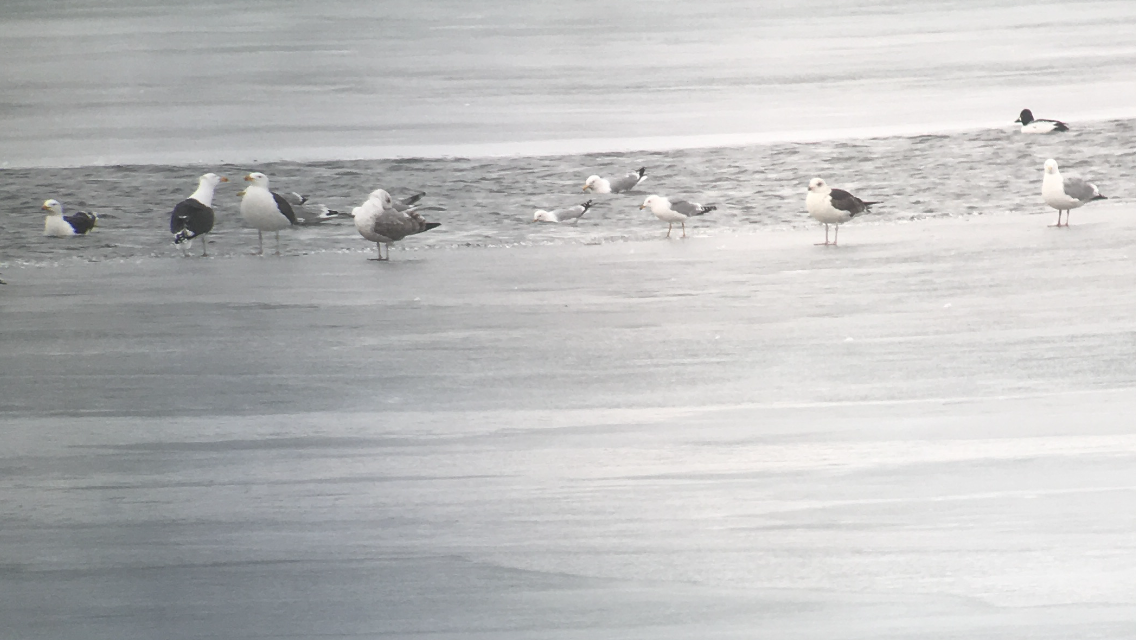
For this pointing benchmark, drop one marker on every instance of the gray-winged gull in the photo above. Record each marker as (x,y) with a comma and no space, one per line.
(833,206)
(57,225)
(562,215)
(264,210)
(193,217)
(618,185)
(1031,124)
(676,211)
(1065,194)
(380,221)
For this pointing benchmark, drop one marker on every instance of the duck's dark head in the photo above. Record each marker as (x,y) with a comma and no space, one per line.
(1025,118)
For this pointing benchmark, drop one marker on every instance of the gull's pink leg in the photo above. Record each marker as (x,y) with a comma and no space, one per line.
(825,243)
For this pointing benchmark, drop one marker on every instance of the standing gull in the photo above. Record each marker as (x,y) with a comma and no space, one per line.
(833,206)
(672,212)
(1065,194)
(193,217)
(562,215)
(265,210)
(619,185)
(60,226)
(1034,125)
(380,221)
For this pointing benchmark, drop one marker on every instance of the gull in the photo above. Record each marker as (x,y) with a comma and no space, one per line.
(672,212)
(562,215)
(193,217)
(1065,194)
(833,206)
(380,221)
(57,225)
(1035,125)
(265,210)
(619,185)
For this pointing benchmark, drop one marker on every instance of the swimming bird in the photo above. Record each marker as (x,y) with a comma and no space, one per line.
(60,226)
(296,199)
(619,185)
(379,220)
(672,212)
(408,203)
(1034,125)
(833,206)
(193,217)
(562,215)
(1065,194)
(265,210)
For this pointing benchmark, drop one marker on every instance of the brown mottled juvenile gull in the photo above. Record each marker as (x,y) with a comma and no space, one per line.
(380,221)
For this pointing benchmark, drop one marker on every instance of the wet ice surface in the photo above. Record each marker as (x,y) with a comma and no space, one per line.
(490,201)
(925,433)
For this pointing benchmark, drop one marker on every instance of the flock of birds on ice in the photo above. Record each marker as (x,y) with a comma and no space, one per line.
(384,220)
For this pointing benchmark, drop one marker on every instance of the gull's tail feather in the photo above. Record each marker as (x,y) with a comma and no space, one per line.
(1099,197)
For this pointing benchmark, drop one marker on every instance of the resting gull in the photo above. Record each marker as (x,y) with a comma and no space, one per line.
(1031,124)
(265,210)
(60,226)
(562,215)
(380,221)
(1065,194)
(833,206)
(619,185)
(193,217)
(672,212)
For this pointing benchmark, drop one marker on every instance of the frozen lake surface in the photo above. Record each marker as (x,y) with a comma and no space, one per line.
(147,81)
(518,431)
(923,434)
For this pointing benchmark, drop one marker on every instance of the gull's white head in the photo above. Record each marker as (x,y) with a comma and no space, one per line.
(382,198)
(212,179)
(53,206)
(540,215)
(1051,166)
(257,179)
(592,182)
(816,185)
(656,203)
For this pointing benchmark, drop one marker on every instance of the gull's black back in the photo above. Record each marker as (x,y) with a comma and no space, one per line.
(191,216)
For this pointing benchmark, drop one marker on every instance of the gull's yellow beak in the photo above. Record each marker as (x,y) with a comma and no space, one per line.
(45,208)
(586,187)
(241,192)
(642,206)
(248,178)
(224,179)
